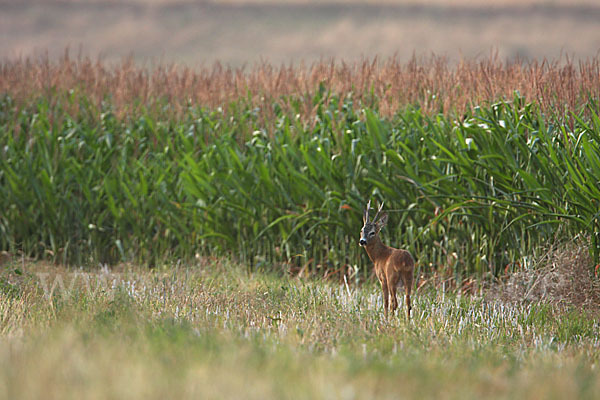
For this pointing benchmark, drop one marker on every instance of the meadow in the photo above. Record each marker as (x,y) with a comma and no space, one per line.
(170,232)
(214,330)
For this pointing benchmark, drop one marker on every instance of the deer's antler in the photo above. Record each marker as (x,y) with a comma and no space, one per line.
(378,211)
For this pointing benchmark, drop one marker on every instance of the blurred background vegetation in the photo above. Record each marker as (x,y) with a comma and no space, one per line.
(243,32)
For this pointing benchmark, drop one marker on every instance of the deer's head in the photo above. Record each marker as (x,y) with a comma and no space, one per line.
(371,228)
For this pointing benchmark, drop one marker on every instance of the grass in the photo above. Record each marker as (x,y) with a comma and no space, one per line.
(214,330)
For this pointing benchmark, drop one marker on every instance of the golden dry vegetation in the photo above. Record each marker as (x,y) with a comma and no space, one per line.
(433,84)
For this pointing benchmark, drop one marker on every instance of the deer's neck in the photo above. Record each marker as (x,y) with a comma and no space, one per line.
(377,250)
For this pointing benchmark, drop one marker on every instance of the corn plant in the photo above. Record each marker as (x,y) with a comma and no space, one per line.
(471,196)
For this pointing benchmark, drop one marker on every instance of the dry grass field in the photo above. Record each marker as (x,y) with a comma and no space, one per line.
(240,32)
(212,330)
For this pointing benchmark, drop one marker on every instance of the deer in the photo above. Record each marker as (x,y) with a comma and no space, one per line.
(391,265)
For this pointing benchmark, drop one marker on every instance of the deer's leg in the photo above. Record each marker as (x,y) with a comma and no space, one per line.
(386,296)
(408,306)
(394,299)
(407,287)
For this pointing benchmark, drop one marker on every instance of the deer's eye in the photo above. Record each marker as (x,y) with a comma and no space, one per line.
(371,233)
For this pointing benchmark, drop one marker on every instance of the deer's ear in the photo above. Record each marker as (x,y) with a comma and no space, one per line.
(382,221)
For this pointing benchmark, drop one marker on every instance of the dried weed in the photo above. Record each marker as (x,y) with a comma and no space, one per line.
(563,277)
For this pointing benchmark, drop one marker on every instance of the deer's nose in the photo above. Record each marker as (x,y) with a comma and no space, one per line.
(362,242)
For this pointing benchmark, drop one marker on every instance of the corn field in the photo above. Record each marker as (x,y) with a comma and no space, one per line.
(92,177)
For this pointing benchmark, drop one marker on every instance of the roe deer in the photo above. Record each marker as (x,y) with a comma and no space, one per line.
(391,264)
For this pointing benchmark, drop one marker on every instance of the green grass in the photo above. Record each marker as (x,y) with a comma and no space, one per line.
(475,197)
(215,330)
